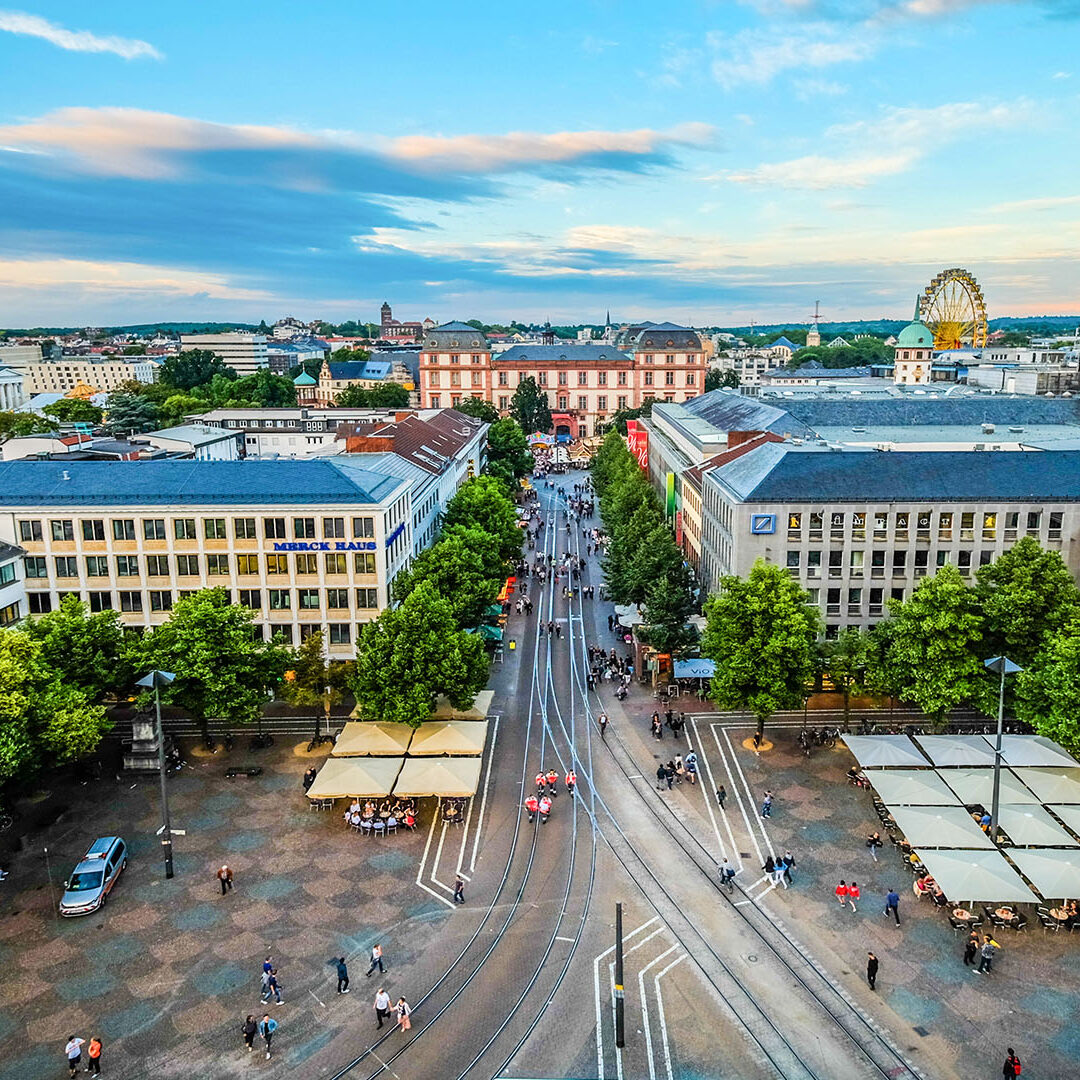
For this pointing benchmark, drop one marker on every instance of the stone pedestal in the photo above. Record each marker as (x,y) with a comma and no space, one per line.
(142,755)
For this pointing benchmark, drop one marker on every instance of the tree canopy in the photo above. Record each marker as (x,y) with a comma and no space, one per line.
(530,408)
(508,452)
(482,410)
(193,367)
(129,413)
(458,573)
(483,502)
(1048,690)
(390,395)
(74,411)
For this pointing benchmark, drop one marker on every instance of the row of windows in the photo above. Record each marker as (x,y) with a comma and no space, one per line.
(947,520)
(243,528)
(189,565)
(40,603)
(856,561)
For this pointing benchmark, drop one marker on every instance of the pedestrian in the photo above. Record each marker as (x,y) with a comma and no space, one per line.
(381,1006)
(93,1055)
(892,903)
(603,724)
(873,842)
(690,762)
(789,865)
(661,776)
(571,781)
(268,965)
(459,890)
(376,960)
(853,895)
(342,974)
(264,990)
(541,782)
(727,875)
(224,875)
(273,987)
(545,809)
(841,892)
(267,1027)
(769,867)
(766,805)
(778,871)
(721,795)
(249,1029)
(669,773)
(532,805)
(757,744)
(971,947)
(986,956)
(1012,1064)
(871,970)
(73,1050)
(552,783)
(403,1014)
(309,778)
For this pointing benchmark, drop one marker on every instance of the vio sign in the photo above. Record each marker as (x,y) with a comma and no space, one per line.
(327,545)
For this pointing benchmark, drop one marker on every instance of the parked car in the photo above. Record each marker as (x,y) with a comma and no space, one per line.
(93,878)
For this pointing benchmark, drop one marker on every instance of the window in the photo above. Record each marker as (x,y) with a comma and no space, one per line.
(648,378)
(251,598)
(123,529)
(67,566)
(855,563)
(562,378)
(504,378)
(277,564)
(989,527)
(669,378)
(944,526)
(836,524)
(922,523)
(39,603)
(7,573)
(336,564)
(363,527)
(858,526)
(247,564)
(307,564)
(127,565)
(1056,519)
(217,565)
(187,565)
(1012,523)
(333,528)
(877,563)
(922,560)
(274,528)
(160,600)
(793,559)
(245,528)
(339,633)
(621,401)
(280,599)
(100,601)
(817,523)
(899,561)
(902,520)
(967,526)
(93,529)
(308,599)
(881,525)
(876,601)
(601,403)
(9,614)
(832,602)
(897,594)
(1032,521)
(854,598)
(836,563)
(184,529)
(367,598)
(601,378)
(214,528)
(963,561)
(985,557)
(97,566)
(814,596)
(153,528)
(942,558)
(337,598)
(30,531)
(621,378)
(436,403)
(813,564)
(690,380)
(131,601)
(364,562)
(62,530)
(582,403)
(34,566)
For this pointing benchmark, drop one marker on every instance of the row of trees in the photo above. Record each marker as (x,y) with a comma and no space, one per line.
(764,636)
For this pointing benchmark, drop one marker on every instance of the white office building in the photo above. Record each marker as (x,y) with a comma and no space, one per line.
(244,353)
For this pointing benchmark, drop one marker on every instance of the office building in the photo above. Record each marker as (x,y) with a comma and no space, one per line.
(244,353)
(100,374)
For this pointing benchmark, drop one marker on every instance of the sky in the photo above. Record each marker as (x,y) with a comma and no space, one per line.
(715,162)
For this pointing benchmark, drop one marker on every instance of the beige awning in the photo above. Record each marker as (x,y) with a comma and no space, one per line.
(449,737)
(976,786)
(977,876)
(1052,785)
(939,827)
(445,777)
(481,705)
(377,740)
(911,787)
(365,777)
(1056,874)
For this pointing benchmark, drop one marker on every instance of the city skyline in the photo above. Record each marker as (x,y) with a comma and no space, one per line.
(710,163)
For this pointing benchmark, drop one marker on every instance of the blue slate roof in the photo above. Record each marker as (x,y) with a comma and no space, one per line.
(781,340)
(360,369)
(571,351)
(191,483)
(923,409)
(729,411)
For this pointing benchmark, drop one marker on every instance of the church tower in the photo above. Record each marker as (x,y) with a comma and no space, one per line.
(813,335)
(913,353)
(386,314)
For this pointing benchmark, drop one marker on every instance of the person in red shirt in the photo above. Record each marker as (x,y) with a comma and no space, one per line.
(532,805)
(571,781)
(842,893)
(853,894)
(541,781)
(553,783)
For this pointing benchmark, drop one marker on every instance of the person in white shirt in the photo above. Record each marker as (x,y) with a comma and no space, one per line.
(381,1006)
(74,1053)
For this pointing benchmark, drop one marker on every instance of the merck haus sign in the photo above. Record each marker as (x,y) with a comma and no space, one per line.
(327,545)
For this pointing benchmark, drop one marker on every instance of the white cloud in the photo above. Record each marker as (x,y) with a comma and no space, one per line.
(819,173)
(1024,205)
(19,22)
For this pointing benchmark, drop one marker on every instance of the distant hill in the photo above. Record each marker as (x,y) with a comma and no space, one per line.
(1031,324)
(139,328)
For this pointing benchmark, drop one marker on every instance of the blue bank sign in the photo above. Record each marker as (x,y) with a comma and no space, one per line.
(763,524)
(327,545)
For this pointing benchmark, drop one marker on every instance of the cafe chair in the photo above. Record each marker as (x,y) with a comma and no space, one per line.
(378,827)
(1018,924)
(1048,921)
(391,826)
(959,924)
(365,827)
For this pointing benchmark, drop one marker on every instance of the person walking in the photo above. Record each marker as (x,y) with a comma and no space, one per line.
(267,1027)
(841,892)
(381,1007)
(669,773)
(727,876)
(892,903)
(532,805)
(403,1013)
(273,987)
(766,805)
(571,781)
(769,867)
(1012,1063)
(224,875)
(691,767)
(376,960)
(971,947)
(602,721)
(871,970)
(986,956)
(721,795)
(789,865)
(545,809)
(778,871)
(459,890)
(73,1050)
(552,783)
(249,1029)
(93,1055)
(342,974)
(541,782)
(873,842)
(309,778)
(853,895)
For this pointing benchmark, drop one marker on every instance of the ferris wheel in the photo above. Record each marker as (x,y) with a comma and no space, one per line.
(954,309)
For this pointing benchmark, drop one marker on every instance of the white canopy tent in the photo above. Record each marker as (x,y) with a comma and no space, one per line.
(449,737)
(1052,785)
(939,827)
(964,750)
(884,751)
(367,777)
(446,777)
(359,738)
(1032,750)
(1031,826)
(911,787)
(976,787)
(977,876)
(1056,874)
(1069,814)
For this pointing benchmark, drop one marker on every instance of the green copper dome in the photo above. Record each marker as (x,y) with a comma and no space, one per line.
(915,335)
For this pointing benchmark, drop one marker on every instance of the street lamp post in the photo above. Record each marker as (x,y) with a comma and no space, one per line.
(1000,665)
(155,681)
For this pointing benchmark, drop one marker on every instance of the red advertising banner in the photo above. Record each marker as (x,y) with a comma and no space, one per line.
(637,440)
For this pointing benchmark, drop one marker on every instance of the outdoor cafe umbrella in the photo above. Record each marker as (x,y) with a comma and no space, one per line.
(883,751)
(977,877)
(1056,874)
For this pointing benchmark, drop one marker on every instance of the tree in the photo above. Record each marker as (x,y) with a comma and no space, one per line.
(483,502)
(482,410)
(413,653)
(508,451)
(265,389)
(458,574)
(529,407)
(390,395)
(715,379)
(669,603)
(223,671)
(74,411)
(129,413)
(134,350)
(482,544)
(313,679)
(1026,596)
(760,633)
(21,424)
(928,650)
(193,367)
(1048,691)
(89,651)
(846,659)
(346,355)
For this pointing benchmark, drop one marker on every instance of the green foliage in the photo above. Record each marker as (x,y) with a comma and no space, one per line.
(483,502)
(346,355)
(265,389)
(715,379)
(846,660)
(193,367)
(669,603)
(530,408)
(760,633)
(482,410)
(316,680)
(1048,691)
(458,573)
(22,423)
(129,413)
(482,544)
(620,417)
(74,411)
(390,395)
(858,354)
(508,451)
(134,350)
(411,654)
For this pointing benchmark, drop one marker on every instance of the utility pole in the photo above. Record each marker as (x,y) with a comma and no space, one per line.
(158,679)
(1000,665)
(620,1023)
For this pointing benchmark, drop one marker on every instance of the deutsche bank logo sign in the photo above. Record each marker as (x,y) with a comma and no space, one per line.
(762,524)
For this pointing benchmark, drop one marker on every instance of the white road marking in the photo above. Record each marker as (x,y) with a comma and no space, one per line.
(596,986)
(708,797)
(746,784)
(483,800)
(645,1005)
(660,1011)
(738,796)
(423,862)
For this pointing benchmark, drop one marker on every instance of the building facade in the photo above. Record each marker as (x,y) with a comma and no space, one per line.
(378,370)
(244,353)
(102,374)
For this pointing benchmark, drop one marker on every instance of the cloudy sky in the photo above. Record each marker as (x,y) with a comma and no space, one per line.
(713,162)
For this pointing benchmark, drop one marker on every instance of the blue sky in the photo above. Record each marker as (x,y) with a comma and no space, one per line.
(712,162)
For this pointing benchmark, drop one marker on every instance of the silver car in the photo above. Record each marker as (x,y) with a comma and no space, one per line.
(90,882)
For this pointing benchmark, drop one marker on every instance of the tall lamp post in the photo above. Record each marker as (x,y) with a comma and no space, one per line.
(155,681)
(1000,665)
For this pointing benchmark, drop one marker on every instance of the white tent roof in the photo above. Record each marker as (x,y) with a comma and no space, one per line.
(363,776)
(1069,814)
(449,777)
(449,737)
(378,739)
(478,710)
(877,751)
(957,749)
(939,827)
(911,787)
(972,876)
(977,786)
(1032,750)
(1052,785)
(1056,874)
(1032,826)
